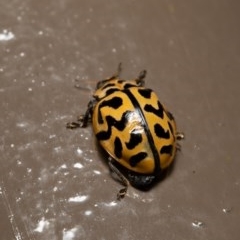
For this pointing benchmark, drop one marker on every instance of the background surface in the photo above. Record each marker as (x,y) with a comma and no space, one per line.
(54,183)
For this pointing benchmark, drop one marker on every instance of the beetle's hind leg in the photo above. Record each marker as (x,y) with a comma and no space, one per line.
(83,120)
(122,192)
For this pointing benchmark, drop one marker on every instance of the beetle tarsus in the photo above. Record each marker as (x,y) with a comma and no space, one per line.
(119,70)
(140,79)
(180,136)
(72,125)
(82,120)
(121,194)
(117,74)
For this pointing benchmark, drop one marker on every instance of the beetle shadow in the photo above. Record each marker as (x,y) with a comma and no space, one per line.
(139,181)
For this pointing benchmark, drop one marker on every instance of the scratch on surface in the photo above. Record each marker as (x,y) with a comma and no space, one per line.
(11,217)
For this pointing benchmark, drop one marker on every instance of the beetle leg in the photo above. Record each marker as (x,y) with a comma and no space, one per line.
(140,79)
(178,147)
(117,74)
(114,76)
(180,136)
(122,192)
(82,120)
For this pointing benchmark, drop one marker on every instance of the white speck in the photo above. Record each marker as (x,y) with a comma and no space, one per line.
(79,151)
(196,147)
(30,89)
(64,166)
(22,54)
(43,84)
(22,124)
(78,198)
(69,234)
(52,136)
(42,224)
(197,224)
(97,172)
(55,189)
(40,33)
(12,145)
(78,165)
(111,204)
(5,35)
(1,70)
(29,170)
(227,210)
(19,162)
(57,149)
(88,212)
(114,50)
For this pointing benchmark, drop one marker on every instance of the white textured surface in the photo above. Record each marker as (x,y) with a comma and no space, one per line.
(54,183)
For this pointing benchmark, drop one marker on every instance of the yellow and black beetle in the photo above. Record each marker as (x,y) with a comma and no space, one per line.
(134,128)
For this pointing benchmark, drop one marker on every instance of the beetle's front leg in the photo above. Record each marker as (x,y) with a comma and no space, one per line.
(82,120)
(140,79)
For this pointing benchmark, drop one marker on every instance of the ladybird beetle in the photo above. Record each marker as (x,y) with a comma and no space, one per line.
(134,128)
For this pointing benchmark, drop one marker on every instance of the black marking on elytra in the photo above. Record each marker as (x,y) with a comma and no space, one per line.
(160,132)
(114,102)
(129,85)
(135,139)
(170,115)
(135,159)
(157,111)
(121,81)
(146,93)
(168,149)
(112,122)
(111,90)
(171,128)
(108,85)
(146,130)
(118,147)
